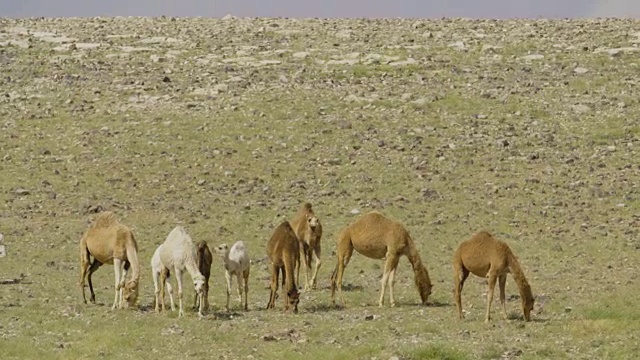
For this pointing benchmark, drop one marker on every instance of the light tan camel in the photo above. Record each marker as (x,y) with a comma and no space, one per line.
(284,252)
(204,258)
(308,229)
(378,237)
(110,242)
(485,256)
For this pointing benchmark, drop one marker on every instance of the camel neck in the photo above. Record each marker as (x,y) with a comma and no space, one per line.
(518,277)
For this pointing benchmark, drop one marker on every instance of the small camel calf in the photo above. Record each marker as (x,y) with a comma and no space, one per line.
(485,256)
(308,229)
(236,262)
(283,251)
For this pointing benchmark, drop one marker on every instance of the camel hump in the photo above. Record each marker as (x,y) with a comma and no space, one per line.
(106,219)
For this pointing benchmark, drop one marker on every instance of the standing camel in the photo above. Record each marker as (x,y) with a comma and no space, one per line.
(378,237)
(177,253)
(485,256)
(110,242)
(308,230)
(204,258)
(283,252)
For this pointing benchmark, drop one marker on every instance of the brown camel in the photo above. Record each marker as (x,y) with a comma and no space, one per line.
(308,230)
(204,258)
(378,237)
(485,256)
(284,252)
(110,242)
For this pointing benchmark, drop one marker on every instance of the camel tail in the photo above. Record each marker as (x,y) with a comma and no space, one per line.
(84,257)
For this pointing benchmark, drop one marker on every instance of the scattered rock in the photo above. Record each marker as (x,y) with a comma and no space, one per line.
(580,70)
(532,57)
(22,192)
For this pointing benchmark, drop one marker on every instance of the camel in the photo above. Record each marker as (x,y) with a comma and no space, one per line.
(177,253)
(284,252)
(485,256)
(110,242)
(308,230)
(236,262)
(378,237)
(203,260)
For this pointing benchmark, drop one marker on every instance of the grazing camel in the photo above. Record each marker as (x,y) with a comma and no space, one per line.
(177,253)
(485,256)
(110,242)
(203,260)
(378,237)
(236,262)
(308,230)
(284,252)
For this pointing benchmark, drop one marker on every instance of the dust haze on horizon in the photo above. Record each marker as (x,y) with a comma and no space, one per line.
(498,9)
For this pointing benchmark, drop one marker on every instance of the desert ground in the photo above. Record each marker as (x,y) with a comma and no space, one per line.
(526,128)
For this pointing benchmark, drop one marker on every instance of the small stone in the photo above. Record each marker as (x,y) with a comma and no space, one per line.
(611,148)
(580,70)
(202,182)
(22,192)
(532,57)
(568,309)
(354,211)
(166,79)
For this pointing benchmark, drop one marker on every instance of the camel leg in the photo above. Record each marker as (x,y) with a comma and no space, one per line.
(460,275)
(492,284)
(170,291)
(117,265)
(390,263)
(274,286)
(239,277)
(307,268)
(180,288)
(123,274)
(245,275)
(392,280)
(156,289)
(316,254)
(344,255)
(84,268)
(502,281)
(94,266)
(227,277)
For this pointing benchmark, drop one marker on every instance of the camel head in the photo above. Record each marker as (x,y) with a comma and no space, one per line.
(130,292)
(423,283)
(313,221)
(294,299)
(222,249)
(198,284)
(527,307)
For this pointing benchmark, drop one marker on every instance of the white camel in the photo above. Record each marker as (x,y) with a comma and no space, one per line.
(177,253)
(236,262)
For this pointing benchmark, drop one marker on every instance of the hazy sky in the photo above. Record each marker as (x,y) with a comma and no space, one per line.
(325,8)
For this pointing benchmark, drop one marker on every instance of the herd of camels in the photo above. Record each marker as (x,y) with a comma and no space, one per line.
(291,245)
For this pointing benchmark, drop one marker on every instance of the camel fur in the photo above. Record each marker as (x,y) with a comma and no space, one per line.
(283,250)
(485,256)
(236,263)
(308,230)
(177,253)
(110,242)
(204,260)
(378,237)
